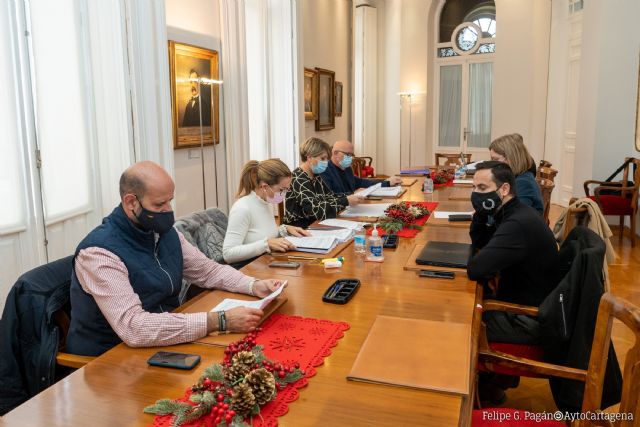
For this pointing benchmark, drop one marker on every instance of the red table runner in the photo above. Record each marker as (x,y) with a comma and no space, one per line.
(287,339)
(411,232)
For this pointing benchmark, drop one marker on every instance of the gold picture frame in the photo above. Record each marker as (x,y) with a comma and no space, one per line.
(338,95)
(186,63)
(326,99)
(310,94)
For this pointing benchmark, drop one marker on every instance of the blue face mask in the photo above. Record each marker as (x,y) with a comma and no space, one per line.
(346,162)
(320,167)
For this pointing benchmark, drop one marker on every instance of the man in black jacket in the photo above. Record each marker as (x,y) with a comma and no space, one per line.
(512,243)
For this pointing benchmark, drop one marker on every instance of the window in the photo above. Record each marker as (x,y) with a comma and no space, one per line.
(467,28)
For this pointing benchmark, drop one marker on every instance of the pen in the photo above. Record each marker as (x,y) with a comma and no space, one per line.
(337,289)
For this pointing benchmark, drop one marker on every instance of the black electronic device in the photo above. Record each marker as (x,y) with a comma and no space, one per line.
(168,359)
(284,264)
(460,217)
(445,254)
(390,241)
(341,291)
(437,274)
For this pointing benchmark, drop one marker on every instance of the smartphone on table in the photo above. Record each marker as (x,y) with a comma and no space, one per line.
(169,359)
(284,264)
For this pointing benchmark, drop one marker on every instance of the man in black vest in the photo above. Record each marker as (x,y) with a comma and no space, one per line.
(128,274)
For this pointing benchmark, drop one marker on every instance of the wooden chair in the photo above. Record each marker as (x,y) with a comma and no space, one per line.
(362,167)
(545,171)
(62,320)
(619,198)
(451,159)
(610,307)
(546,188)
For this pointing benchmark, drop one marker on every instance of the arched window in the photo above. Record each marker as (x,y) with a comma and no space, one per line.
(466,28)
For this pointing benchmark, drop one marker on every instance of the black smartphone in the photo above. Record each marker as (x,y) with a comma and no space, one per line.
(437,274)
(460,217)
(168,359)
(284,264)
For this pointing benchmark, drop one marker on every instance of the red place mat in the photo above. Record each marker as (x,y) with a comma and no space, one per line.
(411,232)
(286,339)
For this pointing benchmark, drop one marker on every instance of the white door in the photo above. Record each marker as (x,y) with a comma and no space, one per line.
(463,120)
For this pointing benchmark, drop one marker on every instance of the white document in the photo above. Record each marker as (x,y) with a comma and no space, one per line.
(367,191)
(368,210)
(387,192)
(344,223)
(472,166)
(463,181)
(445,215)
(313,244)
(229,303)
(342,235)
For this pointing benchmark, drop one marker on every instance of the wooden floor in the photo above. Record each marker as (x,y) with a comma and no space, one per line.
(534,394)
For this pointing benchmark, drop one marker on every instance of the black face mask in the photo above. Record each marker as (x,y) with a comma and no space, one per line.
(486,203)
(159,222)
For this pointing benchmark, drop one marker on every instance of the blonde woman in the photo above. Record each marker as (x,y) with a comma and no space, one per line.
(252,228)
(310,198)
(511,150)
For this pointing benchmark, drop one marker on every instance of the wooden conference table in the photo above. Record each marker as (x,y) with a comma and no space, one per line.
(115,387)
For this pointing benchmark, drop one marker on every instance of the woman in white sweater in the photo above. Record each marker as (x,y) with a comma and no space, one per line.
(252,228)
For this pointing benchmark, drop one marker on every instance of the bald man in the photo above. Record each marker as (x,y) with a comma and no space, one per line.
(339,176)
(128,274)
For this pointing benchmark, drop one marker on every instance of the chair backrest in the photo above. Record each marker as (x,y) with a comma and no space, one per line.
(575,217)
(610,308)
(546,188)
(357,165)
(451,159)
(206,230)
(545,171)
(631,170)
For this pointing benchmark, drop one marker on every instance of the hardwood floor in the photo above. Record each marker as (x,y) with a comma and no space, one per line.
(534,394)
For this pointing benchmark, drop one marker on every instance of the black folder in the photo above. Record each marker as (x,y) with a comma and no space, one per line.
(445,254)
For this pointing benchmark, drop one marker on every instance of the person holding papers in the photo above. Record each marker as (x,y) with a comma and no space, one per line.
(339,176)
(511,150)
(310,198)
(128,273)
(252,228)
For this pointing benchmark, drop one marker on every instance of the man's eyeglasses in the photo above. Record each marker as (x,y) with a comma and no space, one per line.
(345,153)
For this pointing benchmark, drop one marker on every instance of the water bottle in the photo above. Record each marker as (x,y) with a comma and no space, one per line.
(374,246)
(360,240)
(460,172)
(427,187)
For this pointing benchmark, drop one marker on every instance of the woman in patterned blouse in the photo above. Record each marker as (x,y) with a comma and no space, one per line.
(309,199)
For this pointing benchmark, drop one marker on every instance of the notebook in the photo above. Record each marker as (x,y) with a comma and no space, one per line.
(312,244)
(445,254)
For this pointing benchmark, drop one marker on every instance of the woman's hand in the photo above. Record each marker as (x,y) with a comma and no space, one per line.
(280,244)
(262,288)
(354,200)
(297,231)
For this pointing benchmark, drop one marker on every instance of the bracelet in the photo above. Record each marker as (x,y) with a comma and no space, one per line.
(251,287)
(283,230)
(222,321)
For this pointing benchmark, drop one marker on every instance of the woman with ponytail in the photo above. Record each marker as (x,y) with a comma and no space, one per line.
(252,228)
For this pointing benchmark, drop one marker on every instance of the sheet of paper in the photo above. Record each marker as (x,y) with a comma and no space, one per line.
(387,191)
(368,210)
(367,191)
(463,181)
(229,303)
(472,166)
(342,235)
(344,223)
(320,245)
(445,215)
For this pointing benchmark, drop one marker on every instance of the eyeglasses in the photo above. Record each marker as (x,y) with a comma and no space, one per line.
(346,153)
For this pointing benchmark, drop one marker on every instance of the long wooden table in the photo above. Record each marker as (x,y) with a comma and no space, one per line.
(114,388)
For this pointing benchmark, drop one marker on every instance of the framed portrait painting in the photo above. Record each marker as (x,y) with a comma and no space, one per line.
(326,100)
(310,94)
(193,103)
(338,99)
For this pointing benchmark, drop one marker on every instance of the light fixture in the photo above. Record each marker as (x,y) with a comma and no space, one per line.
(404,95)
(208,82)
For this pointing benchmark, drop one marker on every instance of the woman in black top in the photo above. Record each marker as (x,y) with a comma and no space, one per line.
(309,199)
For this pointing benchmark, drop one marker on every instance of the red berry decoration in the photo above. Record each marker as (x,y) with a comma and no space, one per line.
(220,397)
(282,374)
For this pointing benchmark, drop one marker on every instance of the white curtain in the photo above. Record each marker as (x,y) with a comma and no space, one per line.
(450,105)
(480,90)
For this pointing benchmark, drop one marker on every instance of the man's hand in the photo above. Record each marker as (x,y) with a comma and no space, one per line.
(297,231)
(395,180)
(262,288)
(354,200)
(243,319)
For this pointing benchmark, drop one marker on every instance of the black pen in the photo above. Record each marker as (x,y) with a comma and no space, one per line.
(337,289)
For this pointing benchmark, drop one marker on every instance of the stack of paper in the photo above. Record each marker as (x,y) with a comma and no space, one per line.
(229,303)
(344,223)
(387,192)
(343,234)
(369,190)
(369,210)
(463,181)
(316,245)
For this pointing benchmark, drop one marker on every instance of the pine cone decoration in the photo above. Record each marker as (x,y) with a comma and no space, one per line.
(263,385)
(241,364)
(242,400)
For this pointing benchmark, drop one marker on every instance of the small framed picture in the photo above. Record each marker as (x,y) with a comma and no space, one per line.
(326,100)
(194,103)
(338,99)
(310,94)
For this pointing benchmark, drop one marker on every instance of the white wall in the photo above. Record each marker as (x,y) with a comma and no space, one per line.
(325,39)
(202,29)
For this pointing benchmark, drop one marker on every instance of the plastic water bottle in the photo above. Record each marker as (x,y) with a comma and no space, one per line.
(374,246)
(427,187)
(460,172)
(360,240)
